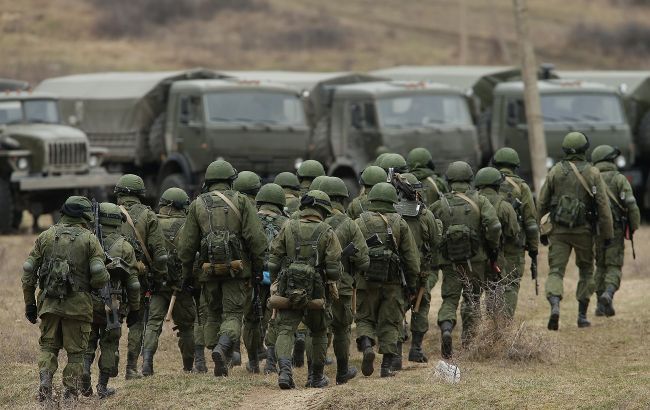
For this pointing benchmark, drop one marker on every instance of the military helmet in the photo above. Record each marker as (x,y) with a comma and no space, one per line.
(317,199)
(310,169)
(383,192)
(459,171)
(380,158)
(506,156)
(575,143)
(175,197)
(488,176)
(604,153)
(334,187)
(130,184)
(395,161)
(220,170)
(373,175)
(315,183)
(78,207)
(287,180)
(247,182)
(272,194)
(418,158)
(110,214)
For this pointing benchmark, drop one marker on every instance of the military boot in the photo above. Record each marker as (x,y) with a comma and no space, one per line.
(310,374)
(103,391)
(397,359)
(86,388)
(319,380)
(70,395)
(285,376)
(221,355)
(582,313)
(188,362)
(253,365)
(343,371)
(235,356)
(368,362)
(270,366)
(299,350)
(199,359)
(554,318)
(45,386)
(446,341)
(607,300)
(416,354)
(147,363)
(600,309)
(387,365)
(132,367)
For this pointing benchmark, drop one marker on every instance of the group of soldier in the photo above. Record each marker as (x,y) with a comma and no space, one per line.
(288,268)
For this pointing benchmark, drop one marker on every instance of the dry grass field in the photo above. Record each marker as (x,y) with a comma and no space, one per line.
(605,366)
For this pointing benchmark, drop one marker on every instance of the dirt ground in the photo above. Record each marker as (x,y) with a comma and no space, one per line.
(604,366)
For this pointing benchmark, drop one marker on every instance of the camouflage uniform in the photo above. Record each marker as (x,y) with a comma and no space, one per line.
(369,177)
(421,165)
(381,296)
(291,186)
(65,307)
(574,213)
(626,216)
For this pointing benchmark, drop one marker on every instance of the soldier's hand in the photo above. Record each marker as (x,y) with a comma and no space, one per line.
(132,318)
(31,313)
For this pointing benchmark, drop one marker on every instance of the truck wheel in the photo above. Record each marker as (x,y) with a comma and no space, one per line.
(6,207)
(156,137)
(174,180)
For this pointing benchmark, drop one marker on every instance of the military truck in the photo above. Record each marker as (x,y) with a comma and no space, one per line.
(42,161)
(168,126)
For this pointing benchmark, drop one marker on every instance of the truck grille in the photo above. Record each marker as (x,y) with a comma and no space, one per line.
(67,156)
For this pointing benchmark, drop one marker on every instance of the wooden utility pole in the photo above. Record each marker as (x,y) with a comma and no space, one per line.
(536,138)
(462,27)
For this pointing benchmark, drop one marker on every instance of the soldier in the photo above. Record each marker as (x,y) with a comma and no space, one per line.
(488,180)
(517,192)
(172,211)
(124,289)
(421,165)
(390,279)
(248,183)
(141,230)
(291,186)
(627,218)
(67,262)
(270,203)
(309,249)
(223,226)
(395,162)
(471,234)
(575,196)
(306,173)
(427,232)
(354,259)
(369,177)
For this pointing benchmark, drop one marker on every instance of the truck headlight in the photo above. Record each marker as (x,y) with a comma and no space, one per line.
(93,161)
(549,162)
(620,161)
(297,163)
(22,164)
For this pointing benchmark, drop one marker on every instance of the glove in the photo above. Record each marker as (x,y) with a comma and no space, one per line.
(132,318)
(266,281)
(532,254)
(30,313)
(493,254)
(258,277)
(422,279)
(544,239)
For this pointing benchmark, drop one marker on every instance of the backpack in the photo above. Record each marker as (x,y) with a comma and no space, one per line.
(57,274)
(384,260)
(461,240)
(336,221)
(301,282)
(511,192)
(170,233)
(221,246)
(569,212)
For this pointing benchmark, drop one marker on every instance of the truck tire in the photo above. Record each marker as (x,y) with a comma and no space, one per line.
(643,138)
(174,180)
(156,137)
(7,214)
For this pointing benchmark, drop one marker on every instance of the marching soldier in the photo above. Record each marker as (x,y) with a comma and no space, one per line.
(370,176)
(421,165)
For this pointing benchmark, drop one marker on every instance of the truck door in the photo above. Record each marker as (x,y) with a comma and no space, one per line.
(191,136)
(361,137)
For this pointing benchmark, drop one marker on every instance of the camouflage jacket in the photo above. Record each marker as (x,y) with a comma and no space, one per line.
(432,185)
(427,232)
(510,238)
(293,201)
(358,205)
(517,192)
(621,198)
(171,223)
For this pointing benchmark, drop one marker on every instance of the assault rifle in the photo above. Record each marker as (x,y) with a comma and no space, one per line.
(106,293)
(533,273)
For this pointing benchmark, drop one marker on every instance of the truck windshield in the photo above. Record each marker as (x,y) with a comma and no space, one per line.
(423,110)
(10,112)
(602,108)
(255,107)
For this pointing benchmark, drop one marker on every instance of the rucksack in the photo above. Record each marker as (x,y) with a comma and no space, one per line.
(174,265)
(384,259)
(57,277)
(461,240)
(511,192)
(569,212)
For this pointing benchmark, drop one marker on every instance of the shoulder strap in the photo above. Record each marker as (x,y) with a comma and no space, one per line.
(581,178)
(611,196)
(469,201)
(435,186)
(515,186)
(137,235)
(389,229)
(230,204)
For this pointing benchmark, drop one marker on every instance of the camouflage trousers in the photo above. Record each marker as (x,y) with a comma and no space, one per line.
(609,262)
(183,315)
(380,313)
(225,302)
(199,322)
(58,332)
(134,338)
(513,271)
(287,323)
(420,319)
(254,328)
(561,245)
(108,342)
